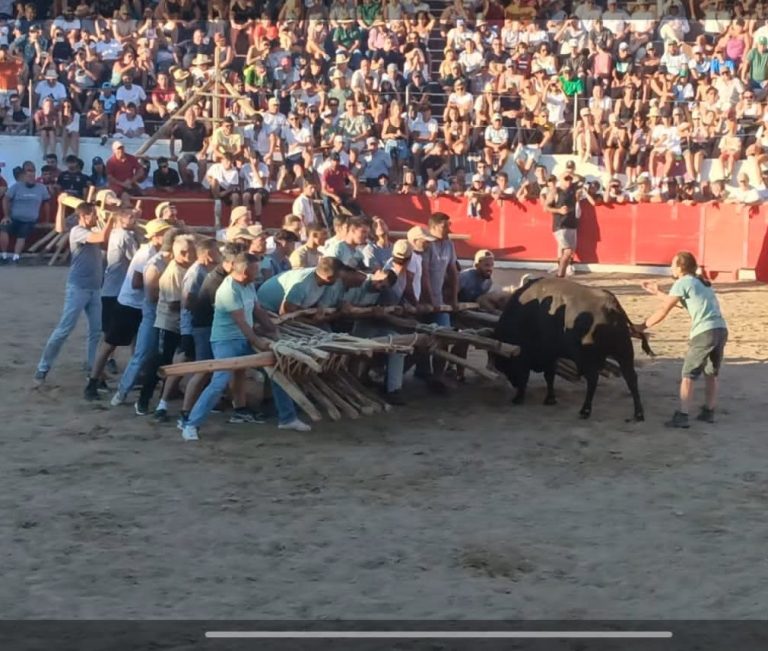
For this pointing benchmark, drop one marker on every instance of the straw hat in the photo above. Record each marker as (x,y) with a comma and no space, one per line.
(180,75)
(155,227)
(201,60)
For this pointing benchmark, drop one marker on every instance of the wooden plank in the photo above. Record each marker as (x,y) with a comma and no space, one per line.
(51,234)
(258,360)
(295,393)
(62,243)
(460,361)
(346,407)
(318,396)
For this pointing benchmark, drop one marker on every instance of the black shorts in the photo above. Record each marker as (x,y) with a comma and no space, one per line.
(187,347)
(123,326)
(108,307)
(262,192)
(705,353)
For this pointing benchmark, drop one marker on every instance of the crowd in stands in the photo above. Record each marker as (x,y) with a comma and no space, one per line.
(393,96)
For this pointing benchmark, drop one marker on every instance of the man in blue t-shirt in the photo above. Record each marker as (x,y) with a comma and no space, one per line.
(233,334)
(83,291)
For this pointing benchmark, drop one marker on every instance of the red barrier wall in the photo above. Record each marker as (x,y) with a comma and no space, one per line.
(723,237)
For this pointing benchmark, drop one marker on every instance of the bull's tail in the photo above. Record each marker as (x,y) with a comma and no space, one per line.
(634,332)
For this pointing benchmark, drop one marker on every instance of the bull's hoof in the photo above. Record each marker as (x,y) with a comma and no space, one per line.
(518,400)
(639,417)
(585,413)
(550,400)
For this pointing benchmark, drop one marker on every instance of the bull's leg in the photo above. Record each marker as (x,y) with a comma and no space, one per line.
(520,383)
(630,377)
(591,374)
(549,377)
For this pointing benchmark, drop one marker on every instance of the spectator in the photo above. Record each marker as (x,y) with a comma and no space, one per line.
(129,123)
(224,180)
(21,210)
(124,171)
(336,193)
(50,88)
(193,136)
(165,178)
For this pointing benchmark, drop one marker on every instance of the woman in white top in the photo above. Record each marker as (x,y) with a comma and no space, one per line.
(70,129)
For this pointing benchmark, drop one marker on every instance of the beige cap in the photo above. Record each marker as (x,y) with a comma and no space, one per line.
(237,233)
(257,230)
(161,207)
(402,250)
(237,213)
(482,254)
(156,226)
(419,233)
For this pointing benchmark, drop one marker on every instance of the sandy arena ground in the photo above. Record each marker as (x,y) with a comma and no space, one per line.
(449,508)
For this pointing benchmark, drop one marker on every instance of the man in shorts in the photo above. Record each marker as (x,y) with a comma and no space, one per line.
(193,136)
(21,207)
(562,204)
(126,317)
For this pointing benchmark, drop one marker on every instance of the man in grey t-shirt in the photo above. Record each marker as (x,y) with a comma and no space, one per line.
(21,207)
(121,248)
(83,288)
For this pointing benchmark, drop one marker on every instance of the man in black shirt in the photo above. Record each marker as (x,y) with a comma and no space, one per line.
(561,202)
(72,181)
(528,139)
(165,178)
(194,144)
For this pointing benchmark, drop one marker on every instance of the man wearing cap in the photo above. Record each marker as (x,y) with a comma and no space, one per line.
(51,87)
(353,126)
(616,21)
(417,289)
(124,172)
(82,292)
(476,281)
(167,322)
(239,218)
(168,212)
(496,136)
(561,203)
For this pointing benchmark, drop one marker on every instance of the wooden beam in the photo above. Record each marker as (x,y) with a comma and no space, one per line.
(460,361)
(258,360)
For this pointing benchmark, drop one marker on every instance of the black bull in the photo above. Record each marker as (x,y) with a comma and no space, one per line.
(550,318)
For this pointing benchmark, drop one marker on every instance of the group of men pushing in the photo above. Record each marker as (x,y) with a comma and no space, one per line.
(180,295)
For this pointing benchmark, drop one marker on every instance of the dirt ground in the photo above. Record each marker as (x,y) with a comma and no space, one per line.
(460,507)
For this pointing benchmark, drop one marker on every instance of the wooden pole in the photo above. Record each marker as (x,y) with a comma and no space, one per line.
(216,86)
(258,360)
(460,361)
(451,236)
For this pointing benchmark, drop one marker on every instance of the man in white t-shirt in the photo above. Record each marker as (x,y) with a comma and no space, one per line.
(108,48)
(224,180)
(50,87)
(255,182)
(461,98)
(304,206)
(130,93)
(129,123)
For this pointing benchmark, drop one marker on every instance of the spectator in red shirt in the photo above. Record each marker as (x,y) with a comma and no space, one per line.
(335,190)
(123,171)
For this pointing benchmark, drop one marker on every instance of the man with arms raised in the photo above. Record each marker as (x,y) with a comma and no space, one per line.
(83,288)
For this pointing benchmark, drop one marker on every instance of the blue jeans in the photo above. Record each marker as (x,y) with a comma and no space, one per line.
(286,410)
(202,337)
(146,344)
(76,300)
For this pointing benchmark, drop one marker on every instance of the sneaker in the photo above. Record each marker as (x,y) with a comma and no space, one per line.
(246,416)
(40,377)
(111,366)
(679,419)
(706,415)
(296,425)
(160,416)
(181,421)
(141,410)
(91,391)
(103,387)
(190,433)
(117,399)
